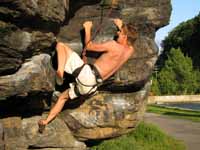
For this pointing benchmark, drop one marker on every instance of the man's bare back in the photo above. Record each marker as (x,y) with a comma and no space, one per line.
(111,60)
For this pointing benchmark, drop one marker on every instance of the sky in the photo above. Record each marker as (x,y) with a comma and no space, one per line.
(182,10)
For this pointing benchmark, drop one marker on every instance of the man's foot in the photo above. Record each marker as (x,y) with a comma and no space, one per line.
(59,79)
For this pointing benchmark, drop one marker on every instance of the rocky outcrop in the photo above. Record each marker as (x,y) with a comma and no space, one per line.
(36,75)
(17,45)
(23,134)
(106,115)
(28,31)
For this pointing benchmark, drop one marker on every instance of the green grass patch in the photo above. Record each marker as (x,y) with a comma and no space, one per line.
(145,137)
(175,112)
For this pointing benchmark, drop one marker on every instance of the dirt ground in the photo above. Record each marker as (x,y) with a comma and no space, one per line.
(185,130)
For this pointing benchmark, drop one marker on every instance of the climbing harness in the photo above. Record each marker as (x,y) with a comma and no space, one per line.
(93,89)
(104,3)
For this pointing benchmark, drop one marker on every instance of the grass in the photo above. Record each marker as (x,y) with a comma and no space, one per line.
(145,137)
(175,112)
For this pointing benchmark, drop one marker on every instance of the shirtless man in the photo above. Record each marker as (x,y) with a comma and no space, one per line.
(115,54)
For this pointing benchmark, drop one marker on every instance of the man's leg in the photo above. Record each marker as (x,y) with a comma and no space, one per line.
(55,110)
(63,53)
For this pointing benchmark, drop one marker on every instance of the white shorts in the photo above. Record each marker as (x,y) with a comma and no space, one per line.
(86,76)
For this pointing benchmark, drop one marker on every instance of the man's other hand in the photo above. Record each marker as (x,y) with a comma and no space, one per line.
(41,124)
(118,22)
(87,24)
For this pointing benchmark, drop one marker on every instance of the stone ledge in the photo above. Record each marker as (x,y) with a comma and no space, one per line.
(173,99)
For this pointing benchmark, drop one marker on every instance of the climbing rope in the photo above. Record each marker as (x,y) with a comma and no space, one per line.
(100,26)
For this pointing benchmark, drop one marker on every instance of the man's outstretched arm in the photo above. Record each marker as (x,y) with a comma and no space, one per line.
(89,44)
(56,109)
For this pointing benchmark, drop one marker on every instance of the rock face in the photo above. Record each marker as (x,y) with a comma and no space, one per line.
(28,31)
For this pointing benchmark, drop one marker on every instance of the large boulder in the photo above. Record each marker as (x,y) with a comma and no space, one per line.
(106,115)
(28,32)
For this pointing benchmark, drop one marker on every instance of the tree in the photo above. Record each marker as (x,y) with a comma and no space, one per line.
(186,36)
(177,76)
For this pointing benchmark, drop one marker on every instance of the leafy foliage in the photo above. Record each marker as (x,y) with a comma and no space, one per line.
(185,36)
(177,76)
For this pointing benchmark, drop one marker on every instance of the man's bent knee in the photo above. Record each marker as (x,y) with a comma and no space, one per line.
(61,45)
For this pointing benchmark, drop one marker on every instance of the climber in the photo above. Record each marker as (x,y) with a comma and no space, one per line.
(89,76)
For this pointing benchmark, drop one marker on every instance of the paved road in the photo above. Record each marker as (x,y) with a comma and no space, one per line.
(185,130)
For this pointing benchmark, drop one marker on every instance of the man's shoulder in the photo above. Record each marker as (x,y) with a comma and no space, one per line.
(110,42)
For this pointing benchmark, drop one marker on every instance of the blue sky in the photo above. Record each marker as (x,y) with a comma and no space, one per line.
(182,10)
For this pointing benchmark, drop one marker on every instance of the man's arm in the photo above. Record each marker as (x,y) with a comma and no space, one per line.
(56,109)
(90,45)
